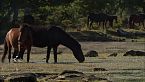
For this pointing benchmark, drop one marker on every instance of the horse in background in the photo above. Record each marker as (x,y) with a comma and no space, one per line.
(98,18)
(111,19)
(48,37)
(136,18)
(91,18)
(101,18)
(11,41)
(142,18)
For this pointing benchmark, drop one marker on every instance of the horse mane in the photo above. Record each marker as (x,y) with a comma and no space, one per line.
(58,28)
(34,28)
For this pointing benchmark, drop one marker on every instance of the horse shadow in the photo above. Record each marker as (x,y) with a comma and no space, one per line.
(43,62)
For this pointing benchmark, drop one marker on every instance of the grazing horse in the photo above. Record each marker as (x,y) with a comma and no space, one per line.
(91,18)
(100,18)
(11,41)
(48,37)
(136,18)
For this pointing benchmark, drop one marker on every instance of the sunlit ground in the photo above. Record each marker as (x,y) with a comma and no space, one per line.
(119,69)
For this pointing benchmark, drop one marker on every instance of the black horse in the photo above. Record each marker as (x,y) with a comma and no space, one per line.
(111,19)
(48,37)
(91,18)
(103,19)
(100,18)
(136,18)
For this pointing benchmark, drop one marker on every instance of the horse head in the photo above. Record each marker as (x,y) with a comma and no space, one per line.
(77,51)
(25,34)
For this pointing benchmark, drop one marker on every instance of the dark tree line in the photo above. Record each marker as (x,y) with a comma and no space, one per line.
(68,12)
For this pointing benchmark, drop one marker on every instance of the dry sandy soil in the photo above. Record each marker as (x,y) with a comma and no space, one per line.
(118,69)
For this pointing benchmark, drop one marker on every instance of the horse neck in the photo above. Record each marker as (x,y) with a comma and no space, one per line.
(69,42)
(35,31)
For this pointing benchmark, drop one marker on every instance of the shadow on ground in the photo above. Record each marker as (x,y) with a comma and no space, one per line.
(93,36)
(126,34)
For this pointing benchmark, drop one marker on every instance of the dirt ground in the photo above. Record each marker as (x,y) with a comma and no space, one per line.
(118,69)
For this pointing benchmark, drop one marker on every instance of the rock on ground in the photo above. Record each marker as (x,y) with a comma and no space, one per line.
(23,77)
(91,53)
(134,53)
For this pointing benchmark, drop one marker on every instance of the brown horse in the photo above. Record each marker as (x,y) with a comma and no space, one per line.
(136,18)
(49,37)
(11,41)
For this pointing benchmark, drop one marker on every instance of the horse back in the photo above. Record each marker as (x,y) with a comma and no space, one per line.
(12,37)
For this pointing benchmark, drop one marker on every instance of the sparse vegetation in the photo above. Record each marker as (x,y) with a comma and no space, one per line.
(119,68)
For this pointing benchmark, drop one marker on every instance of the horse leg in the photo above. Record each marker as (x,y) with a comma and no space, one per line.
(130,24)
(21,53)
(48,54)
(5,51)
(91,25)
(88,22)
(103,25)
(15,53)
(9,56)
(111,23)
(99,23)
(28,54)
(55,54)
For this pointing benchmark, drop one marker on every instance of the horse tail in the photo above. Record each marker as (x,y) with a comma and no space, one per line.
(5,50)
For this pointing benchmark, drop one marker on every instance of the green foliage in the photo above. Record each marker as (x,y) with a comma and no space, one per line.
(71,12)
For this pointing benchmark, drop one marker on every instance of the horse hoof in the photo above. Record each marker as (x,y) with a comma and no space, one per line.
(15,60)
